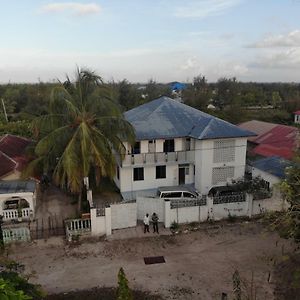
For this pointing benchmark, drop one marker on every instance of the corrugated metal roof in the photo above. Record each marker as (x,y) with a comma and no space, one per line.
(273,165)
(258,127)
(16,186)
(13,148)
(7,165)
(269,150)
(166,118)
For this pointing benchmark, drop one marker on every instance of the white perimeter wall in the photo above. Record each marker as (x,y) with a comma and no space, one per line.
(123,215)
(150,205)
(204,163)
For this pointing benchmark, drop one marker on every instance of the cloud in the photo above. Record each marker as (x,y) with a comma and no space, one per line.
(205,8)
(291,39)
(286,59)
(78,9)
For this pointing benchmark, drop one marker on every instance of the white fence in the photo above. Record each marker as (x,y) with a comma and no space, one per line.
(123,215)
(12,214)
(16,234)
(77,227)
(116,216)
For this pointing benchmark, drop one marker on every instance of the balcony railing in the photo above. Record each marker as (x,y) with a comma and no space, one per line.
(12,214)
(159,157)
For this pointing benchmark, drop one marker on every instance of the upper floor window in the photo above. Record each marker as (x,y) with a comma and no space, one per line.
(160,172)
(138,174)
(224,151)
(151,146)
(136,149)
(169,146)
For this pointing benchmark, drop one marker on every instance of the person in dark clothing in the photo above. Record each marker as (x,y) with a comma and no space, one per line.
(155,222)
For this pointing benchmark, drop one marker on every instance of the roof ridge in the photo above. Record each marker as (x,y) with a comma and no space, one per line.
(9,157)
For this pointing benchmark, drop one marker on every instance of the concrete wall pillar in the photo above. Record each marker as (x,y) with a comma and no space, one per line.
(249,200)
(167,214)
(108,220)
(210,208)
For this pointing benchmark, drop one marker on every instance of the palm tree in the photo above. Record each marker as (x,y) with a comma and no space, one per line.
(81,133)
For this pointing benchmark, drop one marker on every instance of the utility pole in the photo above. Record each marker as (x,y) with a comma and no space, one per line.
(4,110)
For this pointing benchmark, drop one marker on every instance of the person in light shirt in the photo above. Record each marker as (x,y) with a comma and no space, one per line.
(146,223)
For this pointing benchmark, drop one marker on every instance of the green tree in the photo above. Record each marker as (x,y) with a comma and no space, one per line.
(123,291)
(289,223)
(9,292)
(80,134)
(198,94)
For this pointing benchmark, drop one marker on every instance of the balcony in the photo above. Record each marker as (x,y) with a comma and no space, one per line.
(182,157)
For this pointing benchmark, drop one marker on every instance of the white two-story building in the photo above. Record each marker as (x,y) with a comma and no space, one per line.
(176,145)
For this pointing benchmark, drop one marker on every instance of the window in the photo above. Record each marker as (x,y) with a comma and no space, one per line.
(187,144)
(224,151)
(136,148)
(169,146)
(151,146)
(138,174)
(171,195)
(160,172)
(188,195)
(222,174)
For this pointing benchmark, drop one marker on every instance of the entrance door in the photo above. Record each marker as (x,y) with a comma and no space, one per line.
(181,176)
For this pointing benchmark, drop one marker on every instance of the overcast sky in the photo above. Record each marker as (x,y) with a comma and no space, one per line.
(167,40)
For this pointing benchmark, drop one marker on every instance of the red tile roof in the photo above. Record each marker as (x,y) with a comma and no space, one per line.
(297,112)
(7,165)
(12,153)
(13,146)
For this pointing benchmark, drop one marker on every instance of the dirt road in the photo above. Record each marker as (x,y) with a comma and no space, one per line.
(199,264)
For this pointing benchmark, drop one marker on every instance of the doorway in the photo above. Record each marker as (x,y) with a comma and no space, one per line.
(181,175)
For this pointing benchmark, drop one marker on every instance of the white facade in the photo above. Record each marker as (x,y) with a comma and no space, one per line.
(272,179)
(297,119)
(204,163)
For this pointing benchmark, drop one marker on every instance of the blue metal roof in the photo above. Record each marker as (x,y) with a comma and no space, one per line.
(274,165)
(166,118)
(16,186)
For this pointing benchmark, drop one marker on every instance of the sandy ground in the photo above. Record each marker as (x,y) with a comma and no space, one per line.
(199,264)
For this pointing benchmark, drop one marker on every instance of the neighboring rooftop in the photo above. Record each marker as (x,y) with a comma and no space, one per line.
(297,112)
(258,127)
(12,153)
(273,165)
(166,118)
(17,186)
(273,139)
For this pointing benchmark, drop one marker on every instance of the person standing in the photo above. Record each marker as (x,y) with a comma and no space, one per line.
(155,222)
(146,223)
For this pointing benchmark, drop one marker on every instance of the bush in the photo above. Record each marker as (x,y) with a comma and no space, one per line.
(123,292)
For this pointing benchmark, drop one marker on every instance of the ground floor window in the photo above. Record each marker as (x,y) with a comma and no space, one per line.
(160,172)
(138,174)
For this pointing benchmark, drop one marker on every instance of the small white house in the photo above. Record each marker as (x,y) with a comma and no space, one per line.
(297,117)
(271,169)
(177,145)
(17,199)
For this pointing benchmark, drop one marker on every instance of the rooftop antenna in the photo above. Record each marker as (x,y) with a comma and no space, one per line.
(4,110)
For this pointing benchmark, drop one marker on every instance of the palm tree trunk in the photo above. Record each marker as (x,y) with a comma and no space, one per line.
(79,207)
